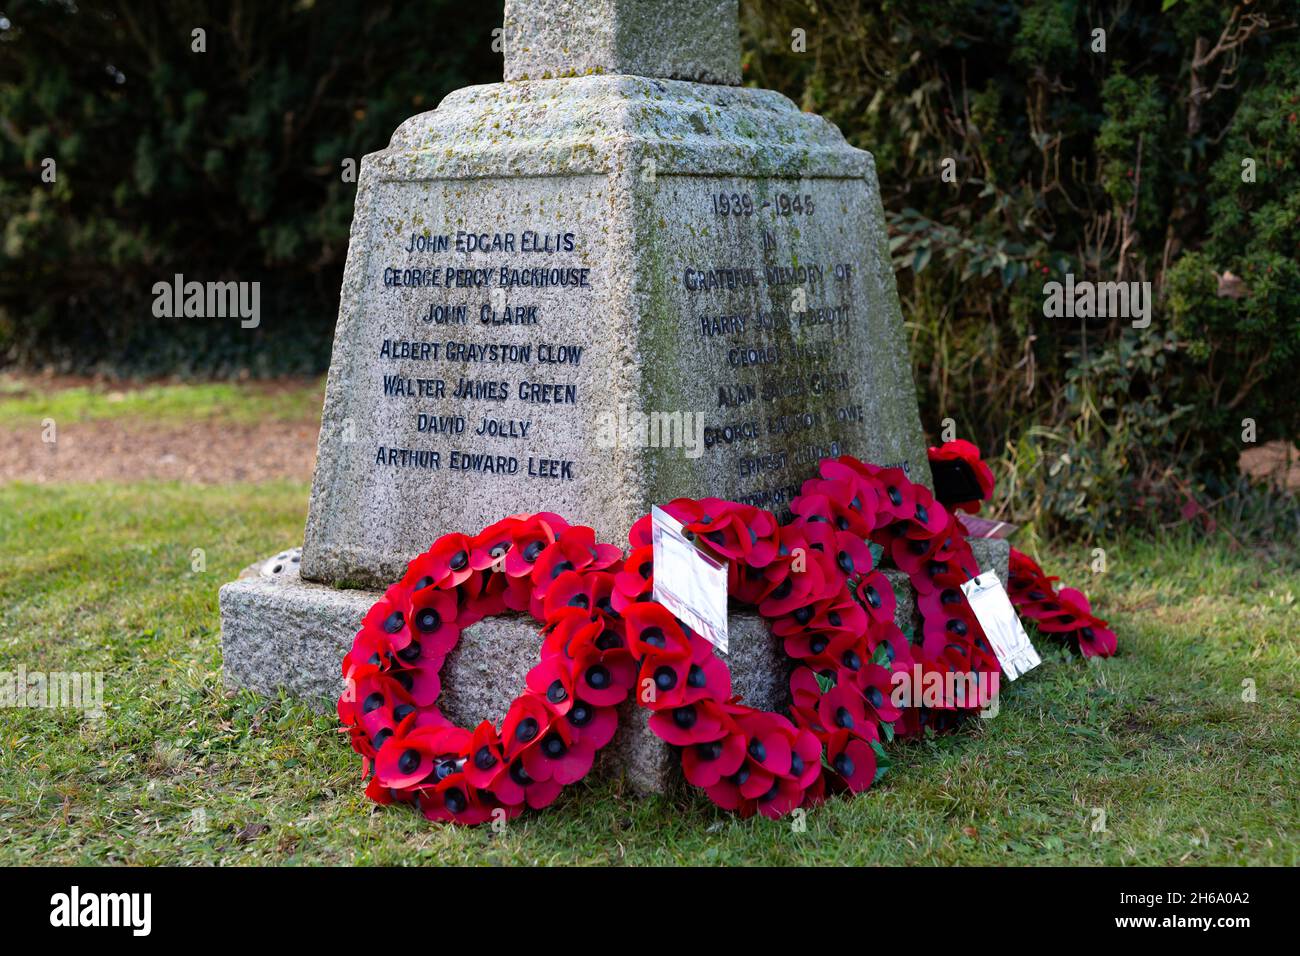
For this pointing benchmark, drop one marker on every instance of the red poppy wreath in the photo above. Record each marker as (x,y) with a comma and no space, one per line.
(551,731)
(749,760)
(854,503)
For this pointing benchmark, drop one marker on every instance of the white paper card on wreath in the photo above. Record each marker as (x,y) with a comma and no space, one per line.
(988,599)
(690,583)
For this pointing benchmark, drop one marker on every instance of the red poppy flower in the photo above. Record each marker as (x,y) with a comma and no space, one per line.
(706,763)
(641,533)
(853,761)
(452,798)
(552,678)
(449,560)
(770,743)
(806,761)
(897,494)
(876,596)
(876,684)
(842,708)
(941,603)
(386,624)
(591,724)
(571,631)
(603,679)
(589,592)
(634,580)
(485,760)
(407,759)
(488,548)
(527,720)
(653,631)
(433,626)
(532,536)
(690,723)
(804,689)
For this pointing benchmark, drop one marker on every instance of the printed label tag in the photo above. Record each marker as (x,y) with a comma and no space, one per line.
(988,599)
(690,583)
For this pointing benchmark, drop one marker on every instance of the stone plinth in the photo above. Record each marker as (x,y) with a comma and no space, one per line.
(705,254)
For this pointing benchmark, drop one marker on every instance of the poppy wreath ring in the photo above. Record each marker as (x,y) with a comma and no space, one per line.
(745,759)
(550,734)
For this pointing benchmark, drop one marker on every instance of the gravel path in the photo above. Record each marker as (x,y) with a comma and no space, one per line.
(197,452)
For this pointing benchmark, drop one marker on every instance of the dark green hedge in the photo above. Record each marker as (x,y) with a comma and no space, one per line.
(219,165)
(1123,164)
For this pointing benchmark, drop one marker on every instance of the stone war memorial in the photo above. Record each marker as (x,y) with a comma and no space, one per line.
(616,278)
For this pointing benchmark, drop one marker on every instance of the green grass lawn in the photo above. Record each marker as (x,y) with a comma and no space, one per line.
(24,401)
(98,578)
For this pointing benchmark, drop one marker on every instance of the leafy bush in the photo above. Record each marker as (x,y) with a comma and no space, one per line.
(1116,165)
(220,165)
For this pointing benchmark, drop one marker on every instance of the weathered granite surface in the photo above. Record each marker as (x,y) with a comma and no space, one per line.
(547,39)
(776,321)
(282,633)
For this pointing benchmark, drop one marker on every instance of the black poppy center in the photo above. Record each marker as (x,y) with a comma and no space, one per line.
(843,718)
(598,676)
(372,702)
(684,717)
(409,761)
(556,692)
(394,622)
(665,678)
(709,751)
(526,730)
(458,561)
(844,765)
(553,745)
(455,800)
(757,750)
(485,759)
(580,715)
(428,620)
